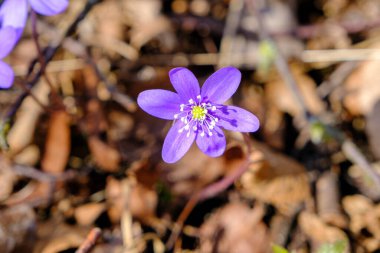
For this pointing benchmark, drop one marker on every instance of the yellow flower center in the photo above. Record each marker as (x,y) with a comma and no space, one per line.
(198,113)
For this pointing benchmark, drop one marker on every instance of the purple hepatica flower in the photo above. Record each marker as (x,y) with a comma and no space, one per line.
(13,15)
(198,114)
(8,38)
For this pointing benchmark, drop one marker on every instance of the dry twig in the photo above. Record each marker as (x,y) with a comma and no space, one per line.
(90,241)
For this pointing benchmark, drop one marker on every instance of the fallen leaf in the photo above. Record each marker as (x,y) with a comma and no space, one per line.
(57,146)
(7,179)
(23,129)
(105,156)
(364,220)
(362,89)
(53,238)
(17,229)
(139,200)
(235,228)
(86,214)
(275,179)
(189,174)
(280,96)
(318,231)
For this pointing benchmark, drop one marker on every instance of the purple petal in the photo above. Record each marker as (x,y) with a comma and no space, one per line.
(212,145)
(6,75)
(185,83)
(14,13)
(49,7)
(236,119)
(221,85)
(160,103)
(177,144)
(8,39)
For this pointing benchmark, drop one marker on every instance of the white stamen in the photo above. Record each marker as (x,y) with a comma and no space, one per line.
(203,122)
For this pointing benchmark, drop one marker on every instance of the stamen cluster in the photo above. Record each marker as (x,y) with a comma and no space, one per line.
(197,116)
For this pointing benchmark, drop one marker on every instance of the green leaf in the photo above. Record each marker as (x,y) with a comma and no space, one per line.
(336,247)
(278,249)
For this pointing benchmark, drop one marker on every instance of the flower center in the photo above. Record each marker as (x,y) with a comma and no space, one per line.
(197,116)
(199,113)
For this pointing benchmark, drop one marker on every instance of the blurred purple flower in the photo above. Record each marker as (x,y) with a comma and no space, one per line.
(198,114)
(13,15)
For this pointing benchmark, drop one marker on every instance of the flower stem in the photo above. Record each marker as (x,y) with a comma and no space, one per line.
(211,191)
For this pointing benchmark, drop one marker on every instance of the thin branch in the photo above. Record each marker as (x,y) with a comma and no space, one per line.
(90,241)
(30,172)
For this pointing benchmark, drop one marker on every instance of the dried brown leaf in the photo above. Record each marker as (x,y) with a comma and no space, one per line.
(279,95)
(364,220)
(86,214)
(276,179)
(7,179)
(105,156)
(140,201)
(235,228)
(318,231)
(57,146)
(57,237)
(33,193)
(22,131)
(190,174)
(17,229)
(362,89)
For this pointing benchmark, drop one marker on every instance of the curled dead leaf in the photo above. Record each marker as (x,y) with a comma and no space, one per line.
(318,231)
(364,220)
(57,146)
(105,156)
